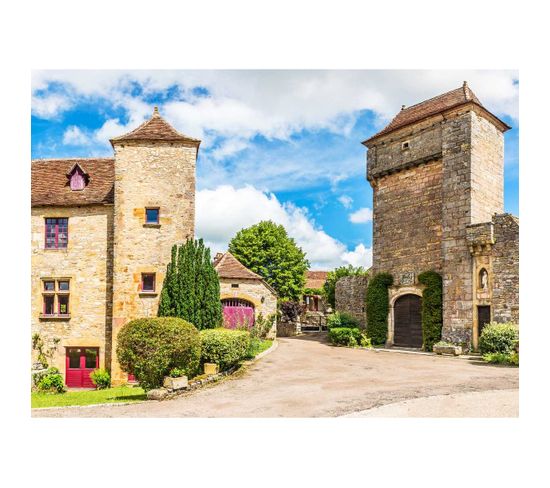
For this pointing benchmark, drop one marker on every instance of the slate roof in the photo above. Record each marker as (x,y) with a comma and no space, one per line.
(433,106)
(155,129)
(50,184)
(315,279)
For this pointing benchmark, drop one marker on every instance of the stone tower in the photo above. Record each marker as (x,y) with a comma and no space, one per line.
(154,208)
(435,169)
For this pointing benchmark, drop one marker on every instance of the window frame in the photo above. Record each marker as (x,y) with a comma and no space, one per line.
(142,289)
(56,245)
(56,293)
(152,222)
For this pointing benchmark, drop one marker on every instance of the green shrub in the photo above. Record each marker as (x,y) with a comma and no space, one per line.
(225,347)
(262,326)
(51,382)
(432,308)
(502,358)
(342,319)
(151,347)
(176,373)
(101,379)
(348,336)
(502,338)
(377,307)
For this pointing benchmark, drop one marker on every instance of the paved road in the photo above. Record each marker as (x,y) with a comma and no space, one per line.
(306,377)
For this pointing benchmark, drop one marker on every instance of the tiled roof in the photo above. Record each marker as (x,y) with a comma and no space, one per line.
(427,108)
(228,266)
(50,184)
(155,129)
(315,279)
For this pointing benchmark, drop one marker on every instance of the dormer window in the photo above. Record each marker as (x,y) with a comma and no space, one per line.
(78,178)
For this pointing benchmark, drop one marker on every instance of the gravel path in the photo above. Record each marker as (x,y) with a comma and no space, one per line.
(306,377)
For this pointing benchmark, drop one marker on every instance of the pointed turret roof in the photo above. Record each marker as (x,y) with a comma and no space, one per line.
(155,129)
(452,99)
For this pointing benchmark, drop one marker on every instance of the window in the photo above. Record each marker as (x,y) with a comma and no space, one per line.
(234,285)
(151,215)
(148,282)
(77,179)
(55,296)
(405,145)
(57,233)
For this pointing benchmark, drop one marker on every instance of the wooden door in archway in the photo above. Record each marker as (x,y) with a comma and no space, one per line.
(407,320)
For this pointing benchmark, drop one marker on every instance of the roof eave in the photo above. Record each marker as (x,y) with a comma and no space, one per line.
(498,122)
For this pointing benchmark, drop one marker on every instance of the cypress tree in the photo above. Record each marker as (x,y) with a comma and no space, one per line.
(191,287)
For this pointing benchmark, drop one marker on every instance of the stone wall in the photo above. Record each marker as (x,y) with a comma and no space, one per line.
(505,254)
(351,295)
(87,263)
(148,174)
(252,290)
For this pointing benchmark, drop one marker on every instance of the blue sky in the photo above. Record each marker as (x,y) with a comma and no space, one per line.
(284,145)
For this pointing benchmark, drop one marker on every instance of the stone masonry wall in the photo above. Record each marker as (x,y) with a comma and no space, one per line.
(351,295)
(150,174)
(87,263)
(407,221)
(505,255)
(251,290)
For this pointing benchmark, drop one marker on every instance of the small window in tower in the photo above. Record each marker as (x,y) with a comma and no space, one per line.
(148,282)
(234,285)
(152,215)
(405,145)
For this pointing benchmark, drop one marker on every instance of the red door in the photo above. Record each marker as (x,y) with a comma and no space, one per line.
(237,313)
(80,362)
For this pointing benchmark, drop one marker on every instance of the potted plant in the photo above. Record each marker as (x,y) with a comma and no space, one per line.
(176,380)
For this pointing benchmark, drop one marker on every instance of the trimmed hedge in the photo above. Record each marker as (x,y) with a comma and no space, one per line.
(342,319)
(432,308)
(499,338)
(151,347)
(378,307)
(225,347)
(345,336)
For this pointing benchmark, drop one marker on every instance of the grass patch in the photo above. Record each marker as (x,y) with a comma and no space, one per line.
(258,346)
(119,394)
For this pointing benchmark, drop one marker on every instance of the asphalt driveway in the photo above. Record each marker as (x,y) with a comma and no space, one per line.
(306,377)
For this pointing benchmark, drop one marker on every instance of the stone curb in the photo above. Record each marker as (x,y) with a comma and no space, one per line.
(116,404)
(273,346)
(424,353)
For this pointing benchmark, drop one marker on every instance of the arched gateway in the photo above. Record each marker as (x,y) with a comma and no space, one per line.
(237,312)
(408,321)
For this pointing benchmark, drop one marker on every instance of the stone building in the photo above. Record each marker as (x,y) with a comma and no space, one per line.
(244,294)
(102,231)
(314,305)
(350,297)
(437,174)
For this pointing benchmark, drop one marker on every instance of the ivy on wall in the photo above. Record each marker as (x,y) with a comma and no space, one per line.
(432,308)
(377,307)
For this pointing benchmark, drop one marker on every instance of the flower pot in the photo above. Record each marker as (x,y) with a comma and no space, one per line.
(211,368)
(175,383)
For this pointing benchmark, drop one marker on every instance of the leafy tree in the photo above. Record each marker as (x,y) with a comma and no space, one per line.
(266,249)
(191,288)
(329,288)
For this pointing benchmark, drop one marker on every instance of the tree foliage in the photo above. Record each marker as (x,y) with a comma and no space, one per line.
(377,307)
(191,288)
(329,288)
(432,308)
(266,249)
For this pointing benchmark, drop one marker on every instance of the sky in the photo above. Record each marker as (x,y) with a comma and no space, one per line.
(279,145)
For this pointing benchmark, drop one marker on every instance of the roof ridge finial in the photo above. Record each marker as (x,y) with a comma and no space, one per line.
(155,111)
(402,107)
(466,90)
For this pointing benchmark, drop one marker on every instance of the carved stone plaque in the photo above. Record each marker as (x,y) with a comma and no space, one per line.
(406,278)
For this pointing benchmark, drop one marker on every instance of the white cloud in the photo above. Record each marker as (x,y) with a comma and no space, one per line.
(346,201)
(222,212)
(361,216)
(49,106)
(360,256)
(73,136)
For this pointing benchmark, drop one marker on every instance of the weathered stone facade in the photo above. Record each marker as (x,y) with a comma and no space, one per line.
(148,174)
(256,292)
(87,264)
(435,170)
(351,295)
